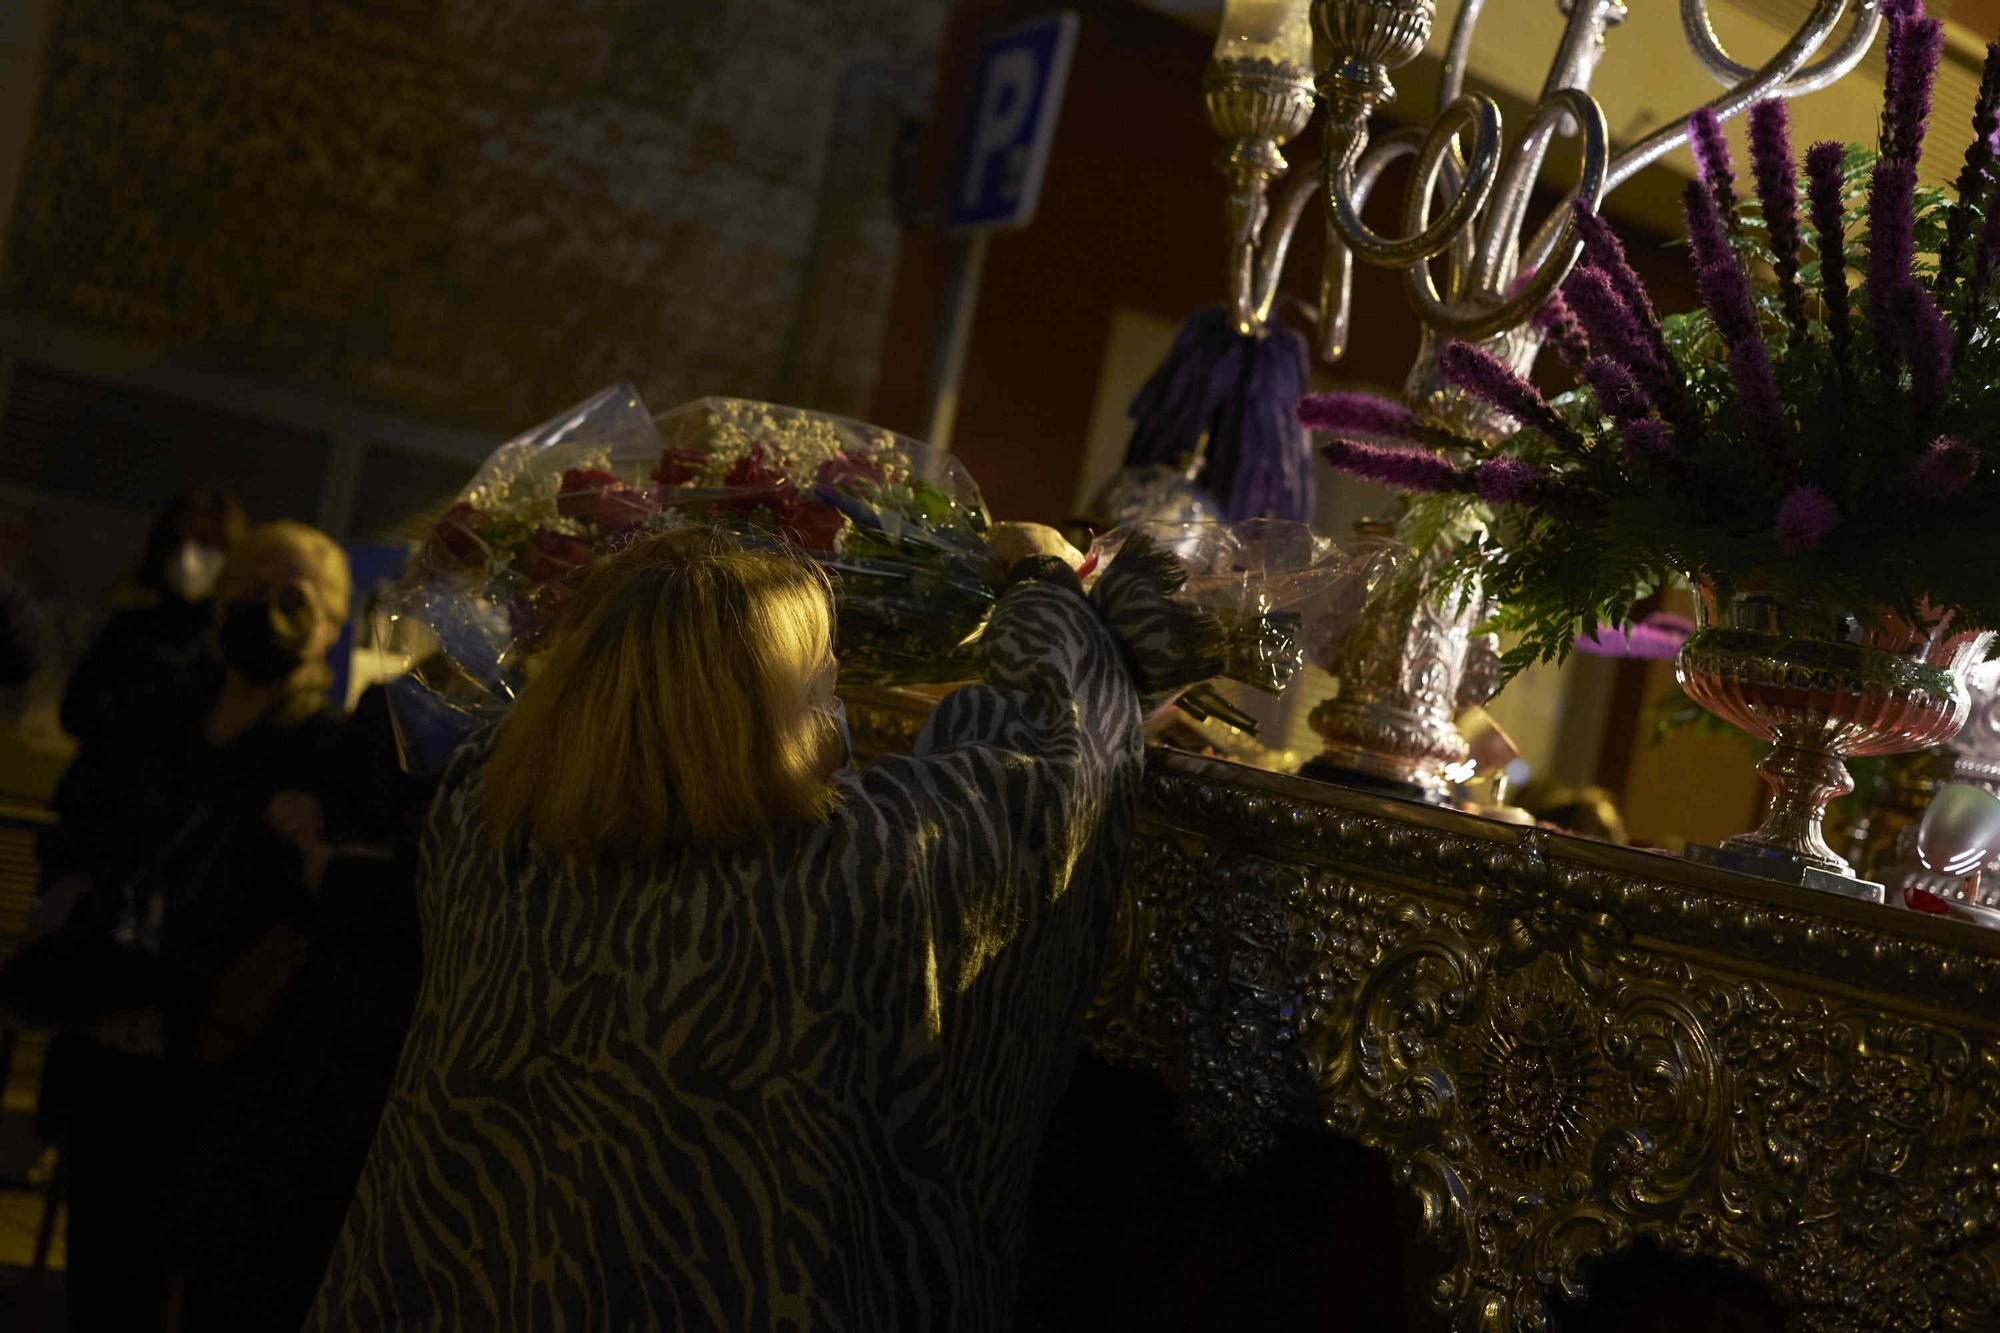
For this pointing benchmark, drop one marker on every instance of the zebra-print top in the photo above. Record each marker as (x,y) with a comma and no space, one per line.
(799,1086)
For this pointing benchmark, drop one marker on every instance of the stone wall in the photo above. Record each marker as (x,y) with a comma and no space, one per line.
(476,211)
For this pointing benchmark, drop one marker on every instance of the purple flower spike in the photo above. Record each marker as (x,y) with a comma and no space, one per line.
(1647,441)
(1757,398)
(1711,155)
(1778,190)
(1359,415)
(1807,515)
(1706,236)
(1603,250)
(1405,469)
(1724,287)
(1972,176)
(1925,338)
(1891,243)
(1488,378)
(1902,9)
(1824,185)
(1986,259)
(1562,331)
(1912,51)
(1615,332)
(1503,481)
(1617,392)
(1944,469)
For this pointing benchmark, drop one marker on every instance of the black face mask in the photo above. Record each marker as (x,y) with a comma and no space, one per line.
(253,645)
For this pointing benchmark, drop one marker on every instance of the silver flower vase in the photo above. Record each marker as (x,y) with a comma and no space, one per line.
(1822,685)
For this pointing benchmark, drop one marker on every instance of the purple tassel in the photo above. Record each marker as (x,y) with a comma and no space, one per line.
(1616,332)
(1405,469)
(1807,515)
(1757,398)
(1259,460)
(1617,392)
(1657,638)
(1486,377)
(1891,247)
(1711,154)
(1924,335)
(1503,481)
(1972,176)
(1361,416)
(1911,54)
(1176,407)
(1824,185)
(1778,191)
(1944,469)
(1561,330)
(1237,392)
(1647,441)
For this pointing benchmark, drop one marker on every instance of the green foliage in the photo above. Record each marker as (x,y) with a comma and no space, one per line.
(1606,531)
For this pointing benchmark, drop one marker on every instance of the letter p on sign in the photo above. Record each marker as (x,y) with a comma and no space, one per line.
(1015,99)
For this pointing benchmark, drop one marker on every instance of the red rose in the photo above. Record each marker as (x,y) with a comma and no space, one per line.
(809,524)
(846,470)
(679,466)
(460,535)
(550,555)
(603,501)
(751,472)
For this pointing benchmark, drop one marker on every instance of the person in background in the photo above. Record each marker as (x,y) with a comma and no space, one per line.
(301,1057)
(154,645)
(717,1033)
(175,874)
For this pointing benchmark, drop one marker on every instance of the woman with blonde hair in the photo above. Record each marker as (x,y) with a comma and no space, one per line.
(163,871)
(716,1033)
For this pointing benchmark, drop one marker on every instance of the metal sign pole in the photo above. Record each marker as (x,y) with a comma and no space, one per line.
(961,298)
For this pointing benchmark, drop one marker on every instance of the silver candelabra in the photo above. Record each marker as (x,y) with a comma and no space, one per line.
(1473,269)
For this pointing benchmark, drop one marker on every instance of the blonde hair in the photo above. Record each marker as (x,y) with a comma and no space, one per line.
(671,707)
(319,557)
(324,576)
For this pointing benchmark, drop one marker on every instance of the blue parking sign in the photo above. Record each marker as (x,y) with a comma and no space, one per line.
(1015,98)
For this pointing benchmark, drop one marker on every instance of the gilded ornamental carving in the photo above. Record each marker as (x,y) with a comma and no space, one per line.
(1561,1046)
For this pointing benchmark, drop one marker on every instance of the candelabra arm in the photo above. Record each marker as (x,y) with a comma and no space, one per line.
(1336,281)
(1485,311)
(1347,138)
(1811,78)
(1576,61)
(1774,79)
(1277,243)
(1458,53)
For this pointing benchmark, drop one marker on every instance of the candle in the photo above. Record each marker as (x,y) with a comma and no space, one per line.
(1271,29)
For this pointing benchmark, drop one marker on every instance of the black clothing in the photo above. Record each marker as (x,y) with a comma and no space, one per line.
(184,875)
(143,658)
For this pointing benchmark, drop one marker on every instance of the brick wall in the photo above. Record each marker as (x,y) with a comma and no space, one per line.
(476,211)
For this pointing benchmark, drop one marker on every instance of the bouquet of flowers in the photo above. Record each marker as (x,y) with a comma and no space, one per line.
(900,530)
(1801,433)
(900,527)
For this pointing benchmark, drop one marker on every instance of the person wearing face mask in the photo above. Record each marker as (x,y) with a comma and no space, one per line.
(176,874)
(717,1032)
(156,642)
